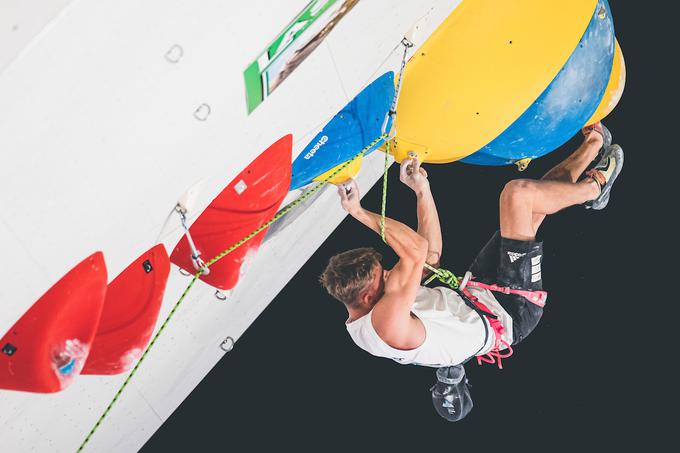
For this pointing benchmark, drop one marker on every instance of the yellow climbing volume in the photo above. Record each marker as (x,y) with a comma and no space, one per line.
(480,70)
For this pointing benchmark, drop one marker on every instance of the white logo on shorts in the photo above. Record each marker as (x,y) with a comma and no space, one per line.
(536,268)
(514,256)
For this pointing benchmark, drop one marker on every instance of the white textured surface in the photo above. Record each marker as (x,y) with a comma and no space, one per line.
(21,21)
(99,141)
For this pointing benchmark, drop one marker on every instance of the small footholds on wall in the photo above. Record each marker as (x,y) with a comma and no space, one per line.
(174,54)
(602,13)
(227,345)
(240,187)
(9,349)
(185,273)
(522,164)
(202,112)
(220,295)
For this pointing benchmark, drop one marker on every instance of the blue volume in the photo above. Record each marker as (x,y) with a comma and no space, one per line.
(563,108)
(351,130)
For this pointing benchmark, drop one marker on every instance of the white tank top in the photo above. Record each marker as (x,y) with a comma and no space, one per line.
(453,331)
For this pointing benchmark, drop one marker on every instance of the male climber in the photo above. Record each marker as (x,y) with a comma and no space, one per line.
(500,300)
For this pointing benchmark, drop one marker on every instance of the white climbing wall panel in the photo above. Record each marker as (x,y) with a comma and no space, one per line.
(110,110)
(21,21)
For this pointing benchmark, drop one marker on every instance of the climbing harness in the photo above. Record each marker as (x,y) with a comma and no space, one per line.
(537,298)
(494,355)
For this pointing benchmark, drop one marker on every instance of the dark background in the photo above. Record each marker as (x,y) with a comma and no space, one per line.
(590,376)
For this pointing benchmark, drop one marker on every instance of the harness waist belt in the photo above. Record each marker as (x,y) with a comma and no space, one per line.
(535,297)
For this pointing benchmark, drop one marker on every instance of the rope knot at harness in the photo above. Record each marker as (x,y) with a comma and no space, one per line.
(443,275)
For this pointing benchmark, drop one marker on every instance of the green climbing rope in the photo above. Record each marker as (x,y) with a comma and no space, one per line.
(443,275)
(221,255)
(384,192)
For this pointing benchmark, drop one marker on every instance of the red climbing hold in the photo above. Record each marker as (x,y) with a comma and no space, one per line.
(47,347)
(133,300)
(250,200)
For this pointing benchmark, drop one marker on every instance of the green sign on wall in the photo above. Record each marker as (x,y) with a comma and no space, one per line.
(290,48)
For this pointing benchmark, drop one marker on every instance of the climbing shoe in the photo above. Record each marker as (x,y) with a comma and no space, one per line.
(600,129)
(604,174)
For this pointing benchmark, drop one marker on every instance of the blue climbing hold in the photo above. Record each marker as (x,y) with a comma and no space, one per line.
(357,125)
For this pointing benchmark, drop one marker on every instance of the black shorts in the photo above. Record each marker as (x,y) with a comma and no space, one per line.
(515,264)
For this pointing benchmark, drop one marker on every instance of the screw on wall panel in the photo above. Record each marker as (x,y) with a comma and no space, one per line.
(147,266)
(185,273)
(180,209)
(202,112)
(9,349)
(227,345)
(240,187)
(174,54)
